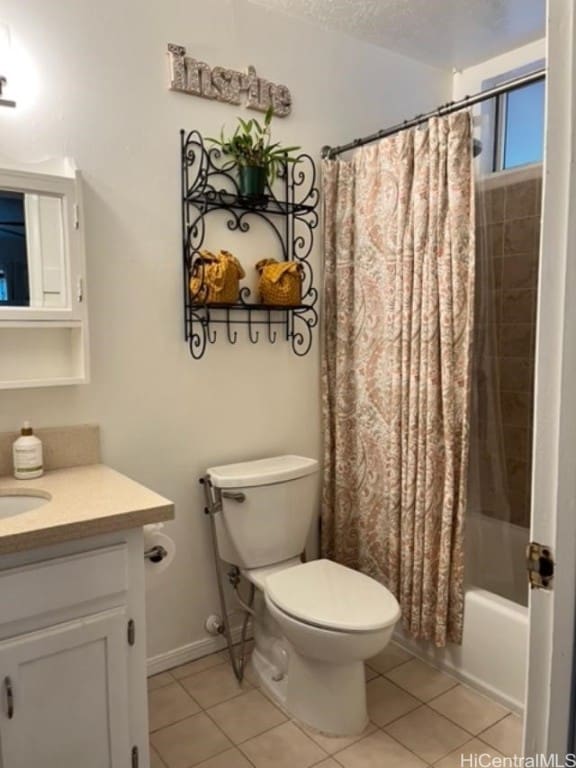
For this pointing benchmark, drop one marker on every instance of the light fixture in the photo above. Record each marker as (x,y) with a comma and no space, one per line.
(5,61)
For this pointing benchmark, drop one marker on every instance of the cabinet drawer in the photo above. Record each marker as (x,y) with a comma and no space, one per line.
(63,582)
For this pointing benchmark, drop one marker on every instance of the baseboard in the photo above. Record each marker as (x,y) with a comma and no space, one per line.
(461,675)
(189,652)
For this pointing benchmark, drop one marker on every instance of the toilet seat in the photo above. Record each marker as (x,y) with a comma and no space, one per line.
(324,594)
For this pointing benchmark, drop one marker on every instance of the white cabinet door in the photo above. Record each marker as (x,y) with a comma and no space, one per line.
(68,686)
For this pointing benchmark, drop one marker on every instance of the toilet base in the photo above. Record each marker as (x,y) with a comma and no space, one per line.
(331,698)
(267,675)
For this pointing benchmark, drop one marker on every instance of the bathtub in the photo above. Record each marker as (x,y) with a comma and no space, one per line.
(493,654)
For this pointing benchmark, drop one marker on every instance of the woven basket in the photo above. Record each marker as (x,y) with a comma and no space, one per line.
(280,282)
(215,279)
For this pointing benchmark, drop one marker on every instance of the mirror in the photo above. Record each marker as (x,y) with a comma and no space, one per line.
(32,250)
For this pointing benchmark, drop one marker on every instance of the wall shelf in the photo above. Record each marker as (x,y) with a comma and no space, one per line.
(209,185)
(267,205)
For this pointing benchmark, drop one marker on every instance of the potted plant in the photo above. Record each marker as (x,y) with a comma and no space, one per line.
(254,154)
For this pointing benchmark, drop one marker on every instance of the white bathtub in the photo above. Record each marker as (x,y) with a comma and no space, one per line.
(493,654)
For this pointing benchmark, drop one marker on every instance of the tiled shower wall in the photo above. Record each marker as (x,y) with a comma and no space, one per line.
(509,219)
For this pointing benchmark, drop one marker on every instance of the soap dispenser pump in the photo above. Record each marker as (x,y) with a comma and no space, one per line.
(27,454)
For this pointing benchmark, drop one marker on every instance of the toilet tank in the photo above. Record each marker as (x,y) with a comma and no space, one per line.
(268,507)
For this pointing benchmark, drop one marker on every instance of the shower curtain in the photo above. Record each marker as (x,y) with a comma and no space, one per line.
(398,312)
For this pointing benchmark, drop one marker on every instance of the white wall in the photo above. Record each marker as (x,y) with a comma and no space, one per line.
(469,81)
(96,77)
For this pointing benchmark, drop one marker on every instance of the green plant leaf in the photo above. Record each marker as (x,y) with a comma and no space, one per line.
(251,145)
(246,126)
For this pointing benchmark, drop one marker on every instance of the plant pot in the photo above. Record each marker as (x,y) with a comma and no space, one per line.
(252,181)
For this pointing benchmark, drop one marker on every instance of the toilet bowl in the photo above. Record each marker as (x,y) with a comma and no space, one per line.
(329,620)
(314,623)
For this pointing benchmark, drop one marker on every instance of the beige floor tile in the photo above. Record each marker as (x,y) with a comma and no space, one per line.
(468,751)
(387,702)
(428,734)
(369,673)
(285,746)
(377,751)
(329,763)
(332,744)
(232,758)
(159,681)
(392,656)
(155,759)
(246,716)
(169,704)
(189,742)
(212,686)
(421,680)
(505,736)
(198,665)
(468,709)
(265,692)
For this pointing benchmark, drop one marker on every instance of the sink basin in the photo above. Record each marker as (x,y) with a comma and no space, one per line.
(16,504)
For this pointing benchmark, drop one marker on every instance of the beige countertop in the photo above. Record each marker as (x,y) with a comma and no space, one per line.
(83,501)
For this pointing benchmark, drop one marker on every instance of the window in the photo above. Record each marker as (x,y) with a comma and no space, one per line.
(520,137)
(513,124)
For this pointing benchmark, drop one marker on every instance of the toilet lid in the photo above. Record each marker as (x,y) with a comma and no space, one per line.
(330,595)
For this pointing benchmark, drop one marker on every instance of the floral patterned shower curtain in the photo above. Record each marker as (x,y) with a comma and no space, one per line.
(398,313)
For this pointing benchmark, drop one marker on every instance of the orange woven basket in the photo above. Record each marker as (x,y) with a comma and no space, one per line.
(216,279)
(280,282)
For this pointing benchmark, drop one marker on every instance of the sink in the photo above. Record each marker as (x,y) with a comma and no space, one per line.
(17,503)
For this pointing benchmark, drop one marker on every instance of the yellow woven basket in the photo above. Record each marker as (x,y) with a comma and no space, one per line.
(280,282)
(216,278)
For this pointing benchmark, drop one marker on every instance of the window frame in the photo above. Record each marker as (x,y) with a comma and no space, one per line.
(493,114)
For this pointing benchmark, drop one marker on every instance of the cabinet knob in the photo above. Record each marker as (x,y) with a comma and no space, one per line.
(9,698)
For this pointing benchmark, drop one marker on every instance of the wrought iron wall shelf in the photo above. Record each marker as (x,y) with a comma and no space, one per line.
(209,185)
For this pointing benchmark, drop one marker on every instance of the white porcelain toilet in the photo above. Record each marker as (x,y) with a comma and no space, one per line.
(314,623)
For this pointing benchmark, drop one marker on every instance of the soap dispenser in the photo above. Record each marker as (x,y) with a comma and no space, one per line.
(27,454)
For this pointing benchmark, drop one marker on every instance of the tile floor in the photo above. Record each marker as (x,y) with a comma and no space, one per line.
(200,716)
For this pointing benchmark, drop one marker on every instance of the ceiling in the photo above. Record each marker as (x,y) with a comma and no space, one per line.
(443,33)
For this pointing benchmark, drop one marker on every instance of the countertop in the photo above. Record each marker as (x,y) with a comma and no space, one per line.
(83,501)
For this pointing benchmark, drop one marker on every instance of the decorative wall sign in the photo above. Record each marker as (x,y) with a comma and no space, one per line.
(219,84)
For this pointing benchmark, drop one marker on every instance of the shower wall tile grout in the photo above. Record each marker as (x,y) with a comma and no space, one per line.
(510,234)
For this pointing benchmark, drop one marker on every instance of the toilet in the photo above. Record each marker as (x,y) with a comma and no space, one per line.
(315,623)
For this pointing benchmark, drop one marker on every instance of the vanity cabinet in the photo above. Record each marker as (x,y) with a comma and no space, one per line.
(65,695)
(72,655)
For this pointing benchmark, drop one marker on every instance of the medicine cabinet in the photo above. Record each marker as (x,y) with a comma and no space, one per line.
(43,311)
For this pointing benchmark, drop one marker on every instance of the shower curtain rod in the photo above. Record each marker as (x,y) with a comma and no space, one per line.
(329,153)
